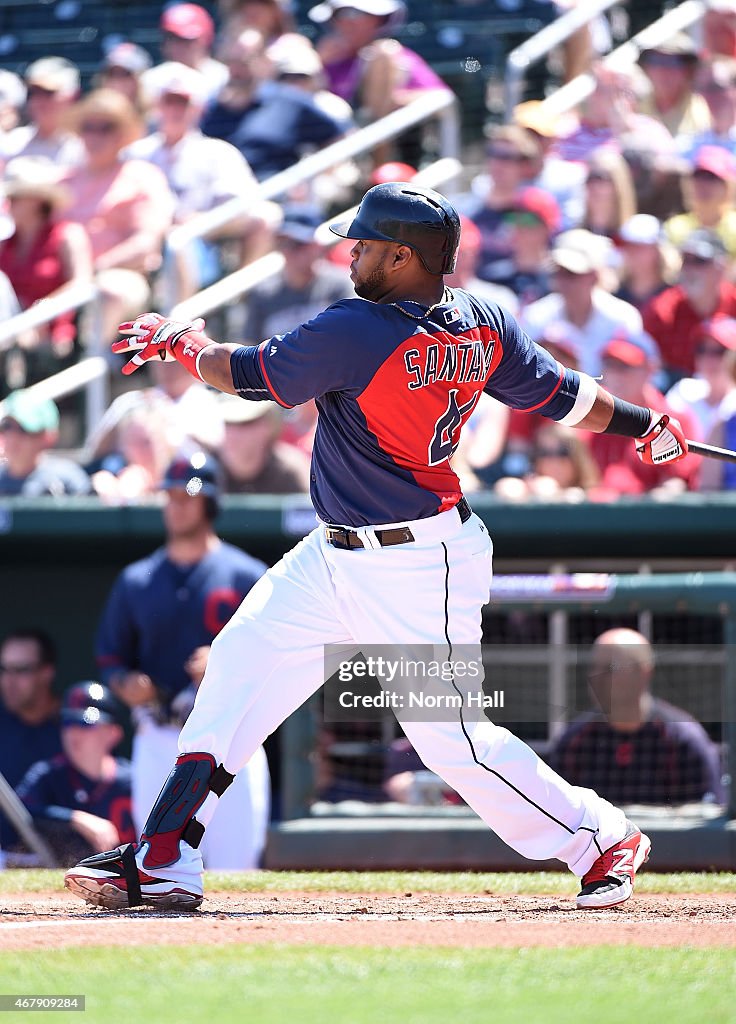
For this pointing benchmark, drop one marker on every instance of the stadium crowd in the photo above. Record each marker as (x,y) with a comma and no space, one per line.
(609,232)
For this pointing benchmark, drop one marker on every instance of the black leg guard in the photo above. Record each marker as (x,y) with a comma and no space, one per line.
(172,819)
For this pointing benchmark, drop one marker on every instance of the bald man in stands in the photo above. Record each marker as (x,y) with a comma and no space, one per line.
(636,749)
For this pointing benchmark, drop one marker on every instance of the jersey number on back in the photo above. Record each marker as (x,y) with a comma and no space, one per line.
(444,442)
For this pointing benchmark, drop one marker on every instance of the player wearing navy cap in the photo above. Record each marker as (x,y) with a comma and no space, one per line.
(80,799)
(398,557)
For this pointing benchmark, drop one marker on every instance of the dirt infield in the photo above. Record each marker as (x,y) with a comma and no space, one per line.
(54,920)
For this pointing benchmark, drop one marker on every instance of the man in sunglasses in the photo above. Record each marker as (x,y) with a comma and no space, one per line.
(30,727)
(670,68)
(703,291)
(52,86)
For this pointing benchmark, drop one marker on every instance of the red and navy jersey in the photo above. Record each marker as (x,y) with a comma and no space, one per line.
(158,613)
(52,789)
(393,394)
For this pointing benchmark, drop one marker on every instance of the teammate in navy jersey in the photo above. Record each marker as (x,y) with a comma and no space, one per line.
(399,558)
(80,799)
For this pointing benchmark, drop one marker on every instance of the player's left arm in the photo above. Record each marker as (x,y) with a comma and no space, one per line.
(529,379)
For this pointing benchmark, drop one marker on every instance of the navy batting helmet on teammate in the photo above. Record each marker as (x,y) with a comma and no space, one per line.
(198,473)
(90,703)
(418,217)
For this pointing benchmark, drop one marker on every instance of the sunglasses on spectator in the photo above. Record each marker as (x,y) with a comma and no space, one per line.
(524,219)
(348,12)
(597,176)
(710,350)
(509,155)
(117,72)
(171,37)
(175,99)
(98,128)
(38,90)
(19,670)
(688,260)
(664,60)
(12,426)
(560,451)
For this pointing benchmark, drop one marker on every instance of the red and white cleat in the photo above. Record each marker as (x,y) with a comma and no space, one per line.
(611,879)
(115,881)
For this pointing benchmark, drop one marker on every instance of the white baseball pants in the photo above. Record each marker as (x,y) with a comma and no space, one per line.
(269,659)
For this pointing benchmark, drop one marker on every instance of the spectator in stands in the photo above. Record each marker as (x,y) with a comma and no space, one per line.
(703,291)
(125,205)
(719,29)
(609,113)
(254,459)
(535,220)
(635,748)
(609,193)
(466,267)
(590,315)
(194,420)
(295,62)
(11,376)
(407,781)
(563,179)
(709,191)
(373,73)
(198,580)
(272,18)
(44,256)
(30,428)
(306,284)
(627,369)
(509,151)
(717,83)
(80,799)
(145,445)
(202,173)
(29,710)
(657,172)
(12,98)
(709,396)
(52,85)
(272,124)
(122,69)
(561,467)
(188,33)
(648,262)
(671,68)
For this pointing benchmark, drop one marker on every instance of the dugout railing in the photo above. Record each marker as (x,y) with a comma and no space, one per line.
(538,630)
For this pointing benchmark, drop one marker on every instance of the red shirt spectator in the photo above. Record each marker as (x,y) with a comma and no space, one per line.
(626,372)
(703,292)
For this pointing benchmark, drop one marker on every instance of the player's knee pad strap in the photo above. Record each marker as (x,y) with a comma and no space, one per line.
(192,778)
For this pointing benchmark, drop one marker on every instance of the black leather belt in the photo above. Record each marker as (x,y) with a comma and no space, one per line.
(343,537)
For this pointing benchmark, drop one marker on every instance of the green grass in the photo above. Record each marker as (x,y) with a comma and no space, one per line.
(528,884)
(608,985)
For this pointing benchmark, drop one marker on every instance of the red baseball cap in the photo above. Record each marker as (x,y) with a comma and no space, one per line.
(715,160)
(470,235)
(541,204)
(188,21)
(626,350)
(720,328)
(392,171)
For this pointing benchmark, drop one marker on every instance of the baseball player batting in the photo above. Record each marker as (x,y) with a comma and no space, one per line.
(398,557)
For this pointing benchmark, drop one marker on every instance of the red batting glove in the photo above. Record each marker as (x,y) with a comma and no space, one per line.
(663,442)
(152,335)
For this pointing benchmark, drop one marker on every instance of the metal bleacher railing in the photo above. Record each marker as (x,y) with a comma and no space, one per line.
(92,372)
(690,619)
(625,56)
(521,59)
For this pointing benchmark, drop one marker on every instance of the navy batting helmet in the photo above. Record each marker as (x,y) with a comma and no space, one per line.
(90,703)
(198,473)
(418,217)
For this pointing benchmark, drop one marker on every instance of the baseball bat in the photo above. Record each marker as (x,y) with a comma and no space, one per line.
(22,821)
(711,451)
